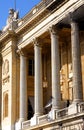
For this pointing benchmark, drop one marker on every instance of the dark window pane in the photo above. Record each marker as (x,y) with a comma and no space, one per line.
(31,67)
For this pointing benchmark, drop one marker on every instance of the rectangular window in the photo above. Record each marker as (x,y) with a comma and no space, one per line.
(31,67)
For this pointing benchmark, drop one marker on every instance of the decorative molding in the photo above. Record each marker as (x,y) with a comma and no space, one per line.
(5,67)
(62,77)
(6,51)
(70,77)
(5,71)
(6,79)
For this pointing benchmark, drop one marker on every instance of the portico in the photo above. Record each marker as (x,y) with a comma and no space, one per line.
(54,40)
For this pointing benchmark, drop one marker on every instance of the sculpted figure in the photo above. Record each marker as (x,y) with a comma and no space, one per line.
(13,16)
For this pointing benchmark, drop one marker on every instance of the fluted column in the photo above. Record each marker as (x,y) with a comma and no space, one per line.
(38,79)
(76,63)
(55,65)
(23,88)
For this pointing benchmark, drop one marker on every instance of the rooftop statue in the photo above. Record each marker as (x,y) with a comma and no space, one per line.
(12,18)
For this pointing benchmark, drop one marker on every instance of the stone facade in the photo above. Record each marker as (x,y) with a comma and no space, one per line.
(41,70)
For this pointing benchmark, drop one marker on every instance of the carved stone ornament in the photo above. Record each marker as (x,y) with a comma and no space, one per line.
(5,67)
(6,79)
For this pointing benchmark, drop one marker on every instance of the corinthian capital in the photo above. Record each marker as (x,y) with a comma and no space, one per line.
(37,42)
(54,30)
(72,18)
(21,52)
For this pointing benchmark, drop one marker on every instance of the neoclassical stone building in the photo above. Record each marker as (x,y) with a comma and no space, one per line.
(42,68)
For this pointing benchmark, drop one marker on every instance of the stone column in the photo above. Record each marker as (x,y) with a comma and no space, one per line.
(55,64)
(23,88)
(38,79)
(76,63)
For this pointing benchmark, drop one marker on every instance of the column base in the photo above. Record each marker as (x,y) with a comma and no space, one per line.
(8,127)
(34,120)
(73,108)
(18,124)
(52,115)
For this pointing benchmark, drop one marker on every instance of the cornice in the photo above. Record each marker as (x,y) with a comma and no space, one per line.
(24,24)
(6,35)
(53,19)
(26,20)
(7,51)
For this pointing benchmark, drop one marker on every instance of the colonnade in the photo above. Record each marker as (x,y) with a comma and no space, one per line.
(55,72)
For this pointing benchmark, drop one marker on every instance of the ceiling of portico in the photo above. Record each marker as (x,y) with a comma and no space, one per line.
(45,41)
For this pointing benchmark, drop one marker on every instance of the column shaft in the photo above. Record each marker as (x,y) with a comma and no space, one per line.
(38,81)
(76,63)
(55,64)
(23,89)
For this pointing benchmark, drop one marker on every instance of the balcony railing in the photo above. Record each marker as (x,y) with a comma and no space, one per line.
(43,119)
(26,124)
(62,113)
(81,107)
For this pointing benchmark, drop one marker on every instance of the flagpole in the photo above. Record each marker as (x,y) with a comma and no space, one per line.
(15,4)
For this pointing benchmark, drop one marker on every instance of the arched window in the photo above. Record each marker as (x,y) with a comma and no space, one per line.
(6,105)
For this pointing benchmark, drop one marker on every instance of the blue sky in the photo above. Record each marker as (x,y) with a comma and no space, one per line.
(23,6)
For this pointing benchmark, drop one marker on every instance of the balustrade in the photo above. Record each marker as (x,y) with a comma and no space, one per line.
(26,124)
(62,113)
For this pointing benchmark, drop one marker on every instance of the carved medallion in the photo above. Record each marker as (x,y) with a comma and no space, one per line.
(5,67)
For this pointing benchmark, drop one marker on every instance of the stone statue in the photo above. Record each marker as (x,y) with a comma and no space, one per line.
(12,18)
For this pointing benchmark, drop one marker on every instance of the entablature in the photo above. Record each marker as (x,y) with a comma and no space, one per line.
(53,19)
(39,12)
